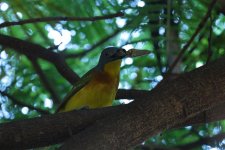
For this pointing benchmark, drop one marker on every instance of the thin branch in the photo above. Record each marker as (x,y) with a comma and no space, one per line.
(34,50)
(131,94)
(48,19)
(102,41)
(136,41)
(210,40)
(199,28)
(157,51)
(201,36)
(215,114)
(20,103)
(39,30)
(45,81)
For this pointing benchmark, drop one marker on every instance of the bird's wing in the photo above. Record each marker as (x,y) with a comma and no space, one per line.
(77,86)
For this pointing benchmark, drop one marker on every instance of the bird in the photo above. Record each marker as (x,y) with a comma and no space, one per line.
(98,87)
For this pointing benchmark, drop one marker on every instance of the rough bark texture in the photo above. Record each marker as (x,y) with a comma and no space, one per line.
(214,114)
(48,129)
(166,106)
(173,103)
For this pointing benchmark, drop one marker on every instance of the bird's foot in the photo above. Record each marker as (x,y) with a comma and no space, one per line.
(84,108)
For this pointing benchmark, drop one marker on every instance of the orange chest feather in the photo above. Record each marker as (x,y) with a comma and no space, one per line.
(103,78)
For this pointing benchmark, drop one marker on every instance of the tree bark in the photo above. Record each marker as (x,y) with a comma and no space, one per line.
(165,107)
(174,103)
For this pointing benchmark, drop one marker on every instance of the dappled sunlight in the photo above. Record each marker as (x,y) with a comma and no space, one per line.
(128,61)
(162,30)
(3,55)
(124,36)
(140,3)
(120,22)
(199,64)
(36,79)
(48,103)
(20,15)
(25,110)
(218,29)
(136,33)
(125,101)
(3,6)
(207,147)
(128,46)
(61,37)
(7,71)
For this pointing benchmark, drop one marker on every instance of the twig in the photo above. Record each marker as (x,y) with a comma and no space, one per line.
(210,41)
(157,51)
(94,46)
(34,50)
(137,41)
(18,102)
(45,81)
(199,28)
(201,36)
(47,19)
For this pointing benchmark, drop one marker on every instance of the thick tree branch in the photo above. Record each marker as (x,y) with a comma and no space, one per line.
(48,129)
(48,19)
(34,50)
(170,104)
(211,115)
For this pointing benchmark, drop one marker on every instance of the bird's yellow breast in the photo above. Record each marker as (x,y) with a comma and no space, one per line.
(100,91)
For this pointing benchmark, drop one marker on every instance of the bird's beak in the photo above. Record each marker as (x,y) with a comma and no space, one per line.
(136,52)
(122,53)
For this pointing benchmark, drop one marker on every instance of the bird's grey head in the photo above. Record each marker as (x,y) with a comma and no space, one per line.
(110,54)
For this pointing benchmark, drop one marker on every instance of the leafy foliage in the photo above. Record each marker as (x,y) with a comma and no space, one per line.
(144,26)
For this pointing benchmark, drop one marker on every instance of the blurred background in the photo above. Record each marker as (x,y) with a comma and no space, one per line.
(163,27)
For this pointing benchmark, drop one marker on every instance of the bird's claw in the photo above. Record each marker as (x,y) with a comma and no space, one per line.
(84,108)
